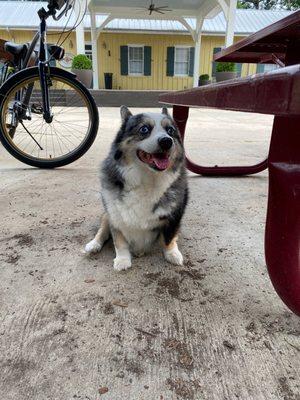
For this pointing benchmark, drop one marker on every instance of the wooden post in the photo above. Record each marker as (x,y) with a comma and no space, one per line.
(230,17)
(79,12)
(94,51)
(197,39)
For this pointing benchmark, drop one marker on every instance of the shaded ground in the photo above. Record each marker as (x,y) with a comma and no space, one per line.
(72,328)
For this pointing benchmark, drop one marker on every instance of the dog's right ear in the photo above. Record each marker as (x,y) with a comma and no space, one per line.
(125,113)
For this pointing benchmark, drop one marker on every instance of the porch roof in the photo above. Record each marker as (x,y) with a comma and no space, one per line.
(169,9)
(23,15)
(246,22)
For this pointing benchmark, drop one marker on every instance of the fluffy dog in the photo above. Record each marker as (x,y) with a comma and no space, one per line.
(144,188)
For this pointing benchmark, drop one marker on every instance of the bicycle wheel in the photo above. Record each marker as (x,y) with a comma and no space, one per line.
(36,142)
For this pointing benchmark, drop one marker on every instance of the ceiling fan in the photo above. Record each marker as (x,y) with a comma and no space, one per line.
(153,8)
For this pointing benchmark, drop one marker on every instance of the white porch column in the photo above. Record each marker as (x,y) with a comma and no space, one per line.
(230,17)
(79,11)
(197,40)
(94,51)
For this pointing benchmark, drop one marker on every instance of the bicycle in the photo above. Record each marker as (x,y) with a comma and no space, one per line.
(48,118)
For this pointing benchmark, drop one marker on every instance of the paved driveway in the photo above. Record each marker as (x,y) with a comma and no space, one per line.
(72,328)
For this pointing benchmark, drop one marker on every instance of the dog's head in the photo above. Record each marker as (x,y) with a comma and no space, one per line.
(150,139)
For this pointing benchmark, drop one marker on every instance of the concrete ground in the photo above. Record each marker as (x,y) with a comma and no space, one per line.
(73,328)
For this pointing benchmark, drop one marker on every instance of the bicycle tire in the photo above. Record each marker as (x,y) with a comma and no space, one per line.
(32,72)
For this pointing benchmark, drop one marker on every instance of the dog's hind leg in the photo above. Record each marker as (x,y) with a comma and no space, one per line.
(123,256)
(95,245)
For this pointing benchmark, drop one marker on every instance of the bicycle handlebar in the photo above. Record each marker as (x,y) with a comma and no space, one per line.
(67,7)
(56,5)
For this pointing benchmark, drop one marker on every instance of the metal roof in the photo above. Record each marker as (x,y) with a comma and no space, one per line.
(23,14)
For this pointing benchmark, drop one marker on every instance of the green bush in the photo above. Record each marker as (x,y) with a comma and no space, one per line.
(204,77)
(81,61)
(226,67)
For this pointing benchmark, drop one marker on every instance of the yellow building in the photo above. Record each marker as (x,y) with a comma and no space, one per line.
(156,73)
(141,54)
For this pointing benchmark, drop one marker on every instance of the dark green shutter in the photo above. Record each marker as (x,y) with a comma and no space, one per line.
(191,64)
(214,64)
(260,68)
(147,60)
(170,61)
(124,60)
(239,69)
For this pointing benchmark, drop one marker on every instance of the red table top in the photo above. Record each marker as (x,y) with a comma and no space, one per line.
(275,92)
(275,39)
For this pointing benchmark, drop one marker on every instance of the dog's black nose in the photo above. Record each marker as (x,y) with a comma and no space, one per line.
(165,142)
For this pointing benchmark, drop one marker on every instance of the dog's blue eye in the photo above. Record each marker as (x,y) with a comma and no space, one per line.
(170,130)
(144,129)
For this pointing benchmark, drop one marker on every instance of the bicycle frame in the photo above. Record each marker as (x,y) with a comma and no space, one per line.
(44,73)
(20,109)
(30,51)
(43,66)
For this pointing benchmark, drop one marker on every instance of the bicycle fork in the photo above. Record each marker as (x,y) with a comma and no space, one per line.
(44,73)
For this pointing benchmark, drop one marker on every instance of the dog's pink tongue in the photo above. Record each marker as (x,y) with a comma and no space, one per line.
(161,162)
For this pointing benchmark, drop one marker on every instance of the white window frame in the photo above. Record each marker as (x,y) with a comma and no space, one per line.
(188,61)
(91,53)
(135,73)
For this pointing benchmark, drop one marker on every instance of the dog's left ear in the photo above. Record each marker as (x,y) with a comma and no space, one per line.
(125,113)
(165,111)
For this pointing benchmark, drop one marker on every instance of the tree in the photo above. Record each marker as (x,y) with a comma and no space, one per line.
(291,4)
(269,4)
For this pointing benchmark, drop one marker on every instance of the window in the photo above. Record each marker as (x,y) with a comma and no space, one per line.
(270,67)
(135,60)
(214,64)
(181,61)
(265,67)
(88,50)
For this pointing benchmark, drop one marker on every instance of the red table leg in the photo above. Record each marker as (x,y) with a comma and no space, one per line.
(282,239)
(180,115)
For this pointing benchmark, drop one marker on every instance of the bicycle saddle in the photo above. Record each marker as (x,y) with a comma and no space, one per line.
(14,48)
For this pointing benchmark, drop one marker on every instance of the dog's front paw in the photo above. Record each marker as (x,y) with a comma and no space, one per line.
(174,256)
(92,247)
(122,263)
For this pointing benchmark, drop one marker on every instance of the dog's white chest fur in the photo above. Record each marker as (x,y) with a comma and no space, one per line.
(132,212)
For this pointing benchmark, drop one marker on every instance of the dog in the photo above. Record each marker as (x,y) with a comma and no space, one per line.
(144,188)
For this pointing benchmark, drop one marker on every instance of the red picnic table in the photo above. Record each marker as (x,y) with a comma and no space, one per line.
(277,93)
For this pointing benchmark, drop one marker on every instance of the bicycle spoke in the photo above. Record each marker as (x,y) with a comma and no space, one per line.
(31,136)
(58,142)
(70,129)
(63,139)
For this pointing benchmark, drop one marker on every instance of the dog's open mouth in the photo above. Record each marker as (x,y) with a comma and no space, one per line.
(160,161)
